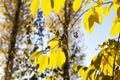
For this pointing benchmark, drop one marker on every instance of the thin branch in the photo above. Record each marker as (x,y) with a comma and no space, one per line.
(7,12)
(11,51)
(60,20)
(84,13)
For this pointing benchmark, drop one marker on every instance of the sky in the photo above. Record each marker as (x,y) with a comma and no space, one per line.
(98,36)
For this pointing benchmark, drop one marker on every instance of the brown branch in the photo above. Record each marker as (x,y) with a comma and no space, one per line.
(7,12)
(11,51)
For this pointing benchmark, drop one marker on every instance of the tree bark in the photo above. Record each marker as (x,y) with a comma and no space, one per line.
(67,15)
(11,51)
(66,51)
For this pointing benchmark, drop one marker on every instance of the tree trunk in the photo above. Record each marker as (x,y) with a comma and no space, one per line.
(66,51)
(11,51)
(67,15)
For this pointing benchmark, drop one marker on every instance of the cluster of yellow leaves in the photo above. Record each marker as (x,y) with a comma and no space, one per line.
(47,6)
(54,59)
(101,67)
(57,56)
(93,15)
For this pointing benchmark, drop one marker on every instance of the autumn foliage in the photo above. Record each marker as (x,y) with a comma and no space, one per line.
(105,65)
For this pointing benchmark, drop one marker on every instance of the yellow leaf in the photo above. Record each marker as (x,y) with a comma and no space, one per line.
(52,62)
(34,7)
(62,3)
(118,12)
(100,1)
(53,44)
(77,4)
(88,74)
(75,67)
(86,22)
(116,1)
(91,21)
(118,60)
(87,2)
(36,61)
(60,58)
(50,78)
(108,68)
(57,6)
(46,7)
(98,10)
(115,6)
(33,54)
(115,27)
(82,71)
(43,60)
(106,11)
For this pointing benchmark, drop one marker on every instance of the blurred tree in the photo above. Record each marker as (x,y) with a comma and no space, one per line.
(20,35)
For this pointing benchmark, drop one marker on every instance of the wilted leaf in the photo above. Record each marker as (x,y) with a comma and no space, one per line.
(34,6)
(77,4)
